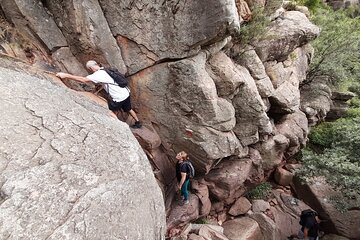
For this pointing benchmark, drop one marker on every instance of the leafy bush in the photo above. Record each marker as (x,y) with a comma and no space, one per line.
(355,88)
(254,28)
(261,191)
(339,160)
(202,220)
(337,49)
(313,5)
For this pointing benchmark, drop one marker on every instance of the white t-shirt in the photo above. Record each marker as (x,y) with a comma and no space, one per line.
(118,94)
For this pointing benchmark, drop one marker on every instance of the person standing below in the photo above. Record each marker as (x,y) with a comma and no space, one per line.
(183,176)
(120,95)
(309,225)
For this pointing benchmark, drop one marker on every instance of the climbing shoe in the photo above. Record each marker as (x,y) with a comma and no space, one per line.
(137,125)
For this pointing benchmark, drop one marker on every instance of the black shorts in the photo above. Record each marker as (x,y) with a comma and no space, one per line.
(124,105)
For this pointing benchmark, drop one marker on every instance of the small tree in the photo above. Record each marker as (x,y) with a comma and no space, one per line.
(337,49)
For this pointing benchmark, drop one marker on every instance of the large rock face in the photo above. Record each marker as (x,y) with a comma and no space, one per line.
(286,33)
(153,30)
(69,170)
(236,109)
(319,194)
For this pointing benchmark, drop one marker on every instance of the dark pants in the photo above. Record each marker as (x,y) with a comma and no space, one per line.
(184,189)
(117,106)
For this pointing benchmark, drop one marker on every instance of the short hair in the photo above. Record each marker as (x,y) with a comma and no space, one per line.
(90,64)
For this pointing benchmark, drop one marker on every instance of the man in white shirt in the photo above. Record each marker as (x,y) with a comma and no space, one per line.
(120,96)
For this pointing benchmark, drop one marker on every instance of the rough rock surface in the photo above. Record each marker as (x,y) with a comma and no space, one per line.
(68,169)
(242,229)
(170,29)
(241,206)
(192,84)
(289,31)
(318,194)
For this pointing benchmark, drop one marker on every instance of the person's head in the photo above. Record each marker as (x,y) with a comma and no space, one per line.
(92,66)
(182,156)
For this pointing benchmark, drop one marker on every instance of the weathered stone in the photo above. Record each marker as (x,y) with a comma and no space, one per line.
(248,58)
(35,21)
(217,207)
(315,100)
(342,96)
(226,75)
(243,9)
(226,181)
(82,23)
(241,206)
(272,151)
(66,181)
(242,229)
(251,118)
(283,177)
(272,6)
(255,4)
(287,212)
(202,192)
(286,98)
(339,104)
(180,215)
(195,237)
(259,206)
(196,227)
(170,29)
(209,233)
(268,227)
(333,237)
(147,137)
(180,99)
(317,194)
(298,62)
(68,63)
(294,127)
(285,34)
(277,73)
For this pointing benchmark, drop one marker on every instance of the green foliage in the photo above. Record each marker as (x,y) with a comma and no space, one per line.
(339,159)
(355,102)
(355,88)
(337,49)
(255,28)
(312,5)
(202,220)
(261,191)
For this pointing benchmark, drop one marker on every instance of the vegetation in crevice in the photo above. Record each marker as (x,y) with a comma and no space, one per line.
(334,147)
(261,191)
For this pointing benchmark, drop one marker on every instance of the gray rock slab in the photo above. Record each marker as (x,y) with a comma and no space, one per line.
(68,170)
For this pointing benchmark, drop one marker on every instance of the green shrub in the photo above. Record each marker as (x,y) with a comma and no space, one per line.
(355,88)
(261,191)
(337,49)
(339,160)
(202,220)
(255,28)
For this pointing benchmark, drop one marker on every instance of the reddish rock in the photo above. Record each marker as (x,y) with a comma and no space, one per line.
(317,195)
(195,237)
(227,181)
(242,229)
(268,227)
(210,233)
(283,176)
(260,206)
(217,207)
(241,206)
(202,192)
(180,215)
